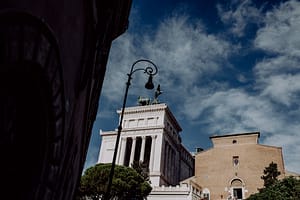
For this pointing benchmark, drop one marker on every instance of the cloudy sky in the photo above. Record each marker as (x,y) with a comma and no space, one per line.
(224,67)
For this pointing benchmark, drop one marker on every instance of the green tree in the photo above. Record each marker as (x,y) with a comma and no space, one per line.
(270,174)
(142,169)
(274,189)
(127,183)
(285,189)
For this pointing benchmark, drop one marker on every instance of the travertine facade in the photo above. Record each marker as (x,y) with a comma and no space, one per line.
(150,134)
(234,165)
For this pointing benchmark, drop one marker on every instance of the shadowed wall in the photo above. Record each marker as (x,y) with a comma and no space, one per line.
(53,57)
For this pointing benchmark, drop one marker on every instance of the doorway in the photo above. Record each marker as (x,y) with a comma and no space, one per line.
(238,193)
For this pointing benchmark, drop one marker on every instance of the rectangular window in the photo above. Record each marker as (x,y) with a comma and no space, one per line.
(141,122)
(151,121)
(132,123)
(235,160)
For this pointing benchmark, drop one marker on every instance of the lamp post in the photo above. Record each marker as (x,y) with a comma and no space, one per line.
(150,70)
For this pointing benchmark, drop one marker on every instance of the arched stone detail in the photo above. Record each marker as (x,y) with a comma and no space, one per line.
(237,183)
(237,180)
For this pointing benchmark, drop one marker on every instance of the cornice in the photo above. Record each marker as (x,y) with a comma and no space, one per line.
(236,134)
(142,128)
(173,119)
(143,109)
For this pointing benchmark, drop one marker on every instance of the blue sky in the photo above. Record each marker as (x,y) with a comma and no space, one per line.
(224,67)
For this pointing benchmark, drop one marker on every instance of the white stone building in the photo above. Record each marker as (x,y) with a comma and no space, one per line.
(151,134)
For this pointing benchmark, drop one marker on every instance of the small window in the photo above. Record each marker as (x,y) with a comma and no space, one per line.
(151,121)
(235,160)
(206,196)
(234,141)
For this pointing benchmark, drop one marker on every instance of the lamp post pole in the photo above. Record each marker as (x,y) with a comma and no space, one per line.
(150,70)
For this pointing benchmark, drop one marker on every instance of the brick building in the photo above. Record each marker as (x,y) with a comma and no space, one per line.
(234,165)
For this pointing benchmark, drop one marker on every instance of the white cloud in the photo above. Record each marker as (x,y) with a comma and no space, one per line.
(121,58)
(284,88)
(183,52)
(276,65)
(281,31)
(243,14)
(278,76)
(234,110)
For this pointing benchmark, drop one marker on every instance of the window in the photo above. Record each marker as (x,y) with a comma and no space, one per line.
(141,122)
(234,141)
(235,160)
(206,194)
(132,123)
(151,121)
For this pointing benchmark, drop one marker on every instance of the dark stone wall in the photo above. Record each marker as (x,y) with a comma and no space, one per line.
(53,56)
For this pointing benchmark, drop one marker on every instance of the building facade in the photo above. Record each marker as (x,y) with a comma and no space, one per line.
(233,167)
(53,57)
(150,134)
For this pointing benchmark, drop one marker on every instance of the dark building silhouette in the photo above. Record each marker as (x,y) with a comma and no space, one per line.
(53,56)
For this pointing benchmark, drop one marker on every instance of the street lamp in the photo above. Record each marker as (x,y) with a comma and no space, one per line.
(150,70)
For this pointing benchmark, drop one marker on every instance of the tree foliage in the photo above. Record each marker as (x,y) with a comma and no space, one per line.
(285,189)
(270,174)
(126,184)
(274,189)
(142,169)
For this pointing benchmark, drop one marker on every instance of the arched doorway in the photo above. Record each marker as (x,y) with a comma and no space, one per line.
(237,189)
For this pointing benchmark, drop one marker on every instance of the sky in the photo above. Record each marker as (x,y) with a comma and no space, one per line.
(223,66)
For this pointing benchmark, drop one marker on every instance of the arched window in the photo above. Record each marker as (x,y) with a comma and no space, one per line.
(206,194)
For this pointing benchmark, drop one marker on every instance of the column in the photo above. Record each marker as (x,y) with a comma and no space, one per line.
(157,163)
(119,151)
(132,151)
(163,159)
(153,137)
(143,148)
(173,168)
(177,160)
(166,159)
(169,164)
(122,153)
